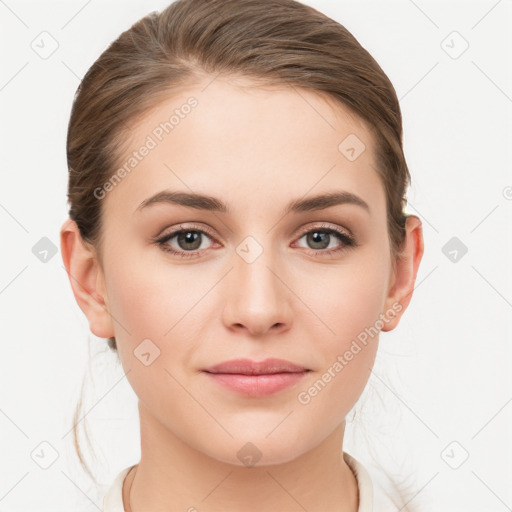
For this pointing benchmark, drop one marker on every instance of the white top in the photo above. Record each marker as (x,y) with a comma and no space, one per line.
(113,500)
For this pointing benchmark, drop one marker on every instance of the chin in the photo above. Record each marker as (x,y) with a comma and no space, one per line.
(257,450)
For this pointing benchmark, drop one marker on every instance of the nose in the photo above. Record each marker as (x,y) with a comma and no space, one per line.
(257,297)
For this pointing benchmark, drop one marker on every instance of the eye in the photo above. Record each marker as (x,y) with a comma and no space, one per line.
(321,237)
(188,239)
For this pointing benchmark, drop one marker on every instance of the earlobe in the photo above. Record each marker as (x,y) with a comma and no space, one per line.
(86,279)
(406,269)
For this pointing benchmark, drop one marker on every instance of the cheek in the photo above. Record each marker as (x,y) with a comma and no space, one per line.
(349,309)
(152,327)
(347,304)
(147,299)
(155,303)
(345,301)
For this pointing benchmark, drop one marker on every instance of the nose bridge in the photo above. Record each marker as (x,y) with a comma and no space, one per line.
(255,267)
(257,298)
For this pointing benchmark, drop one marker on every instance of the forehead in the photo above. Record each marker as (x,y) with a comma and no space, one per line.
(245,142)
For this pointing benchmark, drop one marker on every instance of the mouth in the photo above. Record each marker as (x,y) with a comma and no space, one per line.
(247,367)
(256,379)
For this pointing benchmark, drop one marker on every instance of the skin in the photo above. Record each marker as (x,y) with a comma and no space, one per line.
(256,149)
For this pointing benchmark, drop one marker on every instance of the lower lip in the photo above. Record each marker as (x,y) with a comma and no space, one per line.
(257,385)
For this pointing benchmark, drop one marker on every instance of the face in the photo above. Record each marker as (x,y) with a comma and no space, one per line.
(192,285)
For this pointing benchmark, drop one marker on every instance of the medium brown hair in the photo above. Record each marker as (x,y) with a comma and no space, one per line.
(273,42)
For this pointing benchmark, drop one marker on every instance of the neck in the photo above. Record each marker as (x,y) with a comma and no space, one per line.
(172,475)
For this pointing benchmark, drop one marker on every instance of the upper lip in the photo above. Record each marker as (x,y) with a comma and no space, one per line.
(248,367)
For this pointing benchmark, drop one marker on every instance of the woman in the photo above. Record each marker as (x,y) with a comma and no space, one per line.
(262,135)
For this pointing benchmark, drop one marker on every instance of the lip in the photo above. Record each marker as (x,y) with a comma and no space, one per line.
(256,379)
(248,367)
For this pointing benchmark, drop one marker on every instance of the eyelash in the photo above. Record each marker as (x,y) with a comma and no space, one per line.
(348,241)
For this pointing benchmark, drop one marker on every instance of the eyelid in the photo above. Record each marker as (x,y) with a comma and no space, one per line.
(325,226)
(302,231)
(180,227)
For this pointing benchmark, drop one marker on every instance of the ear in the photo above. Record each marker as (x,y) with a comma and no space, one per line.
(405,269)
(86,278)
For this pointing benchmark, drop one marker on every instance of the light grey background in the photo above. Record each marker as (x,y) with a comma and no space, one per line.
(441,389)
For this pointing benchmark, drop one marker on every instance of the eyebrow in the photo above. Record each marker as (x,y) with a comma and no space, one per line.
(210,203)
